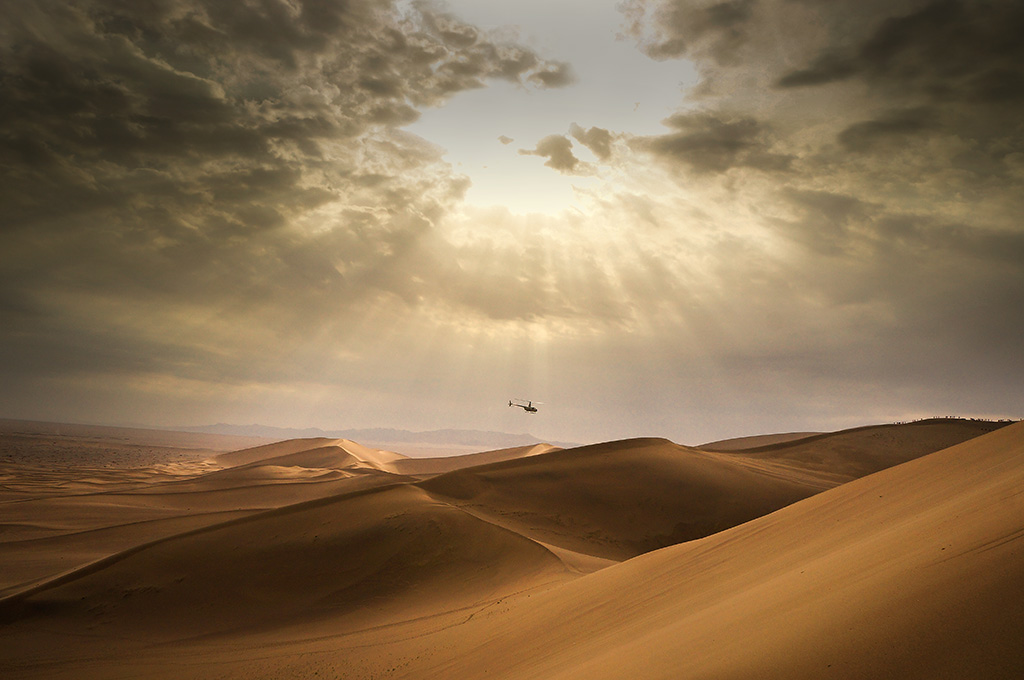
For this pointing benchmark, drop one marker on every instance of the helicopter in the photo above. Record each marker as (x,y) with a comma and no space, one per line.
(528,406)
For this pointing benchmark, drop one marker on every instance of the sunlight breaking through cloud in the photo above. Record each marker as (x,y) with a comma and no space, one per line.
(321,210)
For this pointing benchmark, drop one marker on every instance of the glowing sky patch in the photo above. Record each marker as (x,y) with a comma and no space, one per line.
(614,87)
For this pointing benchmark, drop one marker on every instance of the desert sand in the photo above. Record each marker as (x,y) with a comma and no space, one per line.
(885,551)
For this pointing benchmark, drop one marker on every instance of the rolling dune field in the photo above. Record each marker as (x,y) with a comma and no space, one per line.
(884,551)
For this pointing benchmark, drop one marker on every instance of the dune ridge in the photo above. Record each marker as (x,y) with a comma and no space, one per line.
(435,466)
(291,452)
(619,499)
(295,559)
(860,451)
(47,533)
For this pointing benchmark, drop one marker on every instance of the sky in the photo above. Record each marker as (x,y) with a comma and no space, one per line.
(672,218)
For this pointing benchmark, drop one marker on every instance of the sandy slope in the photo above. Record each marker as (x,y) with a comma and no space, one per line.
(440,465)
(49,536)
(861,451)
(358,556)
(754,441)
(619,499)
(309,557)
(292,451)
(49,529)
(915,572)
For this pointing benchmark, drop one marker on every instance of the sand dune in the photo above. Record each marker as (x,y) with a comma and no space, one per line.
(435,466)
(49,536)
(28,562)
(293,451)
(620,499)
(371,556)
(861,451)
(914,572)
(754,441)
(273,450)
(332,563)
(47,531)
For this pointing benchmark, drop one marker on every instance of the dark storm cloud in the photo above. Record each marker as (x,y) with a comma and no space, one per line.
(685,27)
(831,223)
(931,50)
(928,235)
(891,128)
(827,219)
(945,50)
(899,266)
(931,84)
(839,224)
(945,78)
(234,160)
(708,142)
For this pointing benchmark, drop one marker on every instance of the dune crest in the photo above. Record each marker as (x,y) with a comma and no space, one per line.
(439,465)
(290,451)
(368,557)
(619,499)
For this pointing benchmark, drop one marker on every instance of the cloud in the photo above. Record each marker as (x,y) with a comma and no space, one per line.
(885,141)
(929,83)
(237,162)
(683,28)
(558,150)
(505,140)
(598,140)
(556,75)
(207,200)
(891,128)
(709,142)
(943,50)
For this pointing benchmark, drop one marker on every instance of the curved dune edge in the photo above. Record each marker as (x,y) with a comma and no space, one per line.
(293,448)
(616,500)
(434,466)
(856,452)
(375,556)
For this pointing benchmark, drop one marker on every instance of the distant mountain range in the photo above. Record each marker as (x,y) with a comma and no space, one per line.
(378,435)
